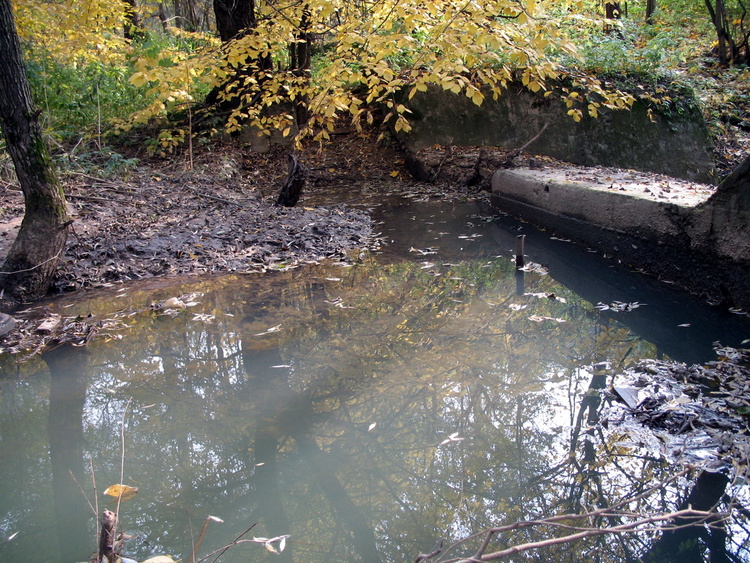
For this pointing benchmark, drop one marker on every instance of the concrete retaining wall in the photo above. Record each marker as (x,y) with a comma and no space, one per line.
(698,241)
(676,145)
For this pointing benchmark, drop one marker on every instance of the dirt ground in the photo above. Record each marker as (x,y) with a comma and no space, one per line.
(165,217)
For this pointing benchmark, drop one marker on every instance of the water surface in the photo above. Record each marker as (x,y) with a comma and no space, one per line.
(427,392)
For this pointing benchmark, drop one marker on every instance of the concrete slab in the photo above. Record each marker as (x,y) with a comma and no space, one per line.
(624,201)
(694,235)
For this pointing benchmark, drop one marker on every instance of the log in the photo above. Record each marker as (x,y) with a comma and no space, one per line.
(295,181)
(109,546)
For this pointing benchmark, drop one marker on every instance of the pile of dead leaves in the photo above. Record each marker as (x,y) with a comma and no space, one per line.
(698,414)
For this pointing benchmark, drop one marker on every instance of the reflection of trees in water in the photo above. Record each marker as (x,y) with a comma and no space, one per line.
(215,429)
(68,380)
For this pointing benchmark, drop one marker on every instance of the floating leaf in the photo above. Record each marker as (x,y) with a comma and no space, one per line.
(268,543)
(452,438)
(124,492)
(174,303)
(159,559)
(270,330)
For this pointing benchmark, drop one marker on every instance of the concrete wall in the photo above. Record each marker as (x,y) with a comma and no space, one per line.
(703,248)
(678,146)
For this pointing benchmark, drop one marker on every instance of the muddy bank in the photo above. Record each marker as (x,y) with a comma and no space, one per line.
(220,216)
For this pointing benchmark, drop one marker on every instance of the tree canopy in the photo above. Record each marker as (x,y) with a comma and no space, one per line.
(301,66)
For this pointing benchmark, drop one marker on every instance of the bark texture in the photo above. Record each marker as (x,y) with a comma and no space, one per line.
(31,261)
(233,17)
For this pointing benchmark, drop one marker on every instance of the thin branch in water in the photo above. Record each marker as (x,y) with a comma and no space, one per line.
(222,550)
(202,535)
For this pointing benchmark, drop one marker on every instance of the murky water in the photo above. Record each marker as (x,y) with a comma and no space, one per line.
(424,394)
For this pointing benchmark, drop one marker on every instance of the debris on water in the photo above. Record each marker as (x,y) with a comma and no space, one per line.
(698,414)
(618,306)
(535,268)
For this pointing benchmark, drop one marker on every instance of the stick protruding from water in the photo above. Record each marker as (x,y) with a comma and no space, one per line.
(519,251)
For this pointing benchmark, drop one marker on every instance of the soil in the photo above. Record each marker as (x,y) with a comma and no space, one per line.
(166,218)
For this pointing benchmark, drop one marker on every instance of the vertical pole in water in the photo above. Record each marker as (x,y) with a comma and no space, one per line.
(519,251)
(520,283)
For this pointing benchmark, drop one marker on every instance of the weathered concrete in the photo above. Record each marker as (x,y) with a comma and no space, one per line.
(675,230)
(677,144)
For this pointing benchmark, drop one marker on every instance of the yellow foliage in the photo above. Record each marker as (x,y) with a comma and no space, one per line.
(74,30)
(124,492)
(375,54)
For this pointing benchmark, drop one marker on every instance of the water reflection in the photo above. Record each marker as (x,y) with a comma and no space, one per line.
(67,395)
(368,411)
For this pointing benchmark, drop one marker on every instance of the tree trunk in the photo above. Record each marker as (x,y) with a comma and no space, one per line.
(650,9)
(295,182)
(612,10)
(233,17)
(32,260)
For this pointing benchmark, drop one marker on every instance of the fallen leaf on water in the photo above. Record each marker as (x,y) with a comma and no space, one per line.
(452,438)
(124,492)
(174,303)
(372,426)
(268,543)
(541,318)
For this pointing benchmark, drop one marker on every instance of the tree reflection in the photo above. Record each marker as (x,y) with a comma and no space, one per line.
(368,412)
(68,380)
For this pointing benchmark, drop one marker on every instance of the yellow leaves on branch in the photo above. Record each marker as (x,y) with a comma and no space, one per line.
(74,30)
(374,53)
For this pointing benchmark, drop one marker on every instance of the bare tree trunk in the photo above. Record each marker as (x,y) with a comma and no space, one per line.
(650,9)
(295,182)
(32,260)
(612,10)
(163,18)
(300,55)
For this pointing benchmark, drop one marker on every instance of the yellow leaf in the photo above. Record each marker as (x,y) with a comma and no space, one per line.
(124,492)
(138,79)
(394,173)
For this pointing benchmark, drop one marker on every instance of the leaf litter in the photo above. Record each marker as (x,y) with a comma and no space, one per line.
(695,415)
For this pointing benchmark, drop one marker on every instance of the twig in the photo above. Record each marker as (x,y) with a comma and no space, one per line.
(94,510)
(593,532)
(122,453)
(221,550)
(209,196)
(202,534)
(55,257)
(96,494)
(554,520)
(534,138)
